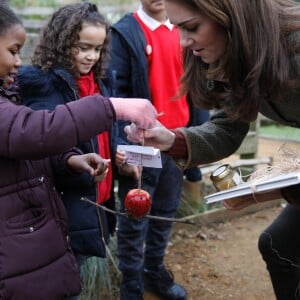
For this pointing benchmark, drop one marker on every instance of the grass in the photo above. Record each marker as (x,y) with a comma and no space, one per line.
(100,276)
(280,132)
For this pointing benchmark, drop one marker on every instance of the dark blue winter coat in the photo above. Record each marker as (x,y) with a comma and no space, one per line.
(129,42)
(89,225)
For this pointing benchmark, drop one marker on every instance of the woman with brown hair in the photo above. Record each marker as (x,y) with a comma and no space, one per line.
(240,58)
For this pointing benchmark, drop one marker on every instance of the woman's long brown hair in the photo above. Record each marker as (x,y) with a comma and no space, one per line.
(263,36)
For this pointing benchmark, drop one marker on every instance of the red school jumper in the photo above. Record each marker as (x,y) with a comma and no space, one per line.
(165,69)
(87,87)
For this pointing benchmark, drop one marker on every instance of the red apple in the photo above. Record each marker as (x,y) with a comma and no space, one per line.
(137,203)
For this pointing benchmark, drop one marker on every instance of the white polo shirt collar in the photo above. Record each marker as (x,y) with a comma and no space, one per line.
(152,23)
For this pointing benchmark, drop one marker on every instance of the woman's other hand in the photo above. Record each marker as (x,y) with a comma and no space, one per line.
(159,136)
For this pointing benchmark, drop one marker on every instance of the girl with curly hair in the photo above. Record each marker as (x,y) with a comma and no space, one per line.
(68,63)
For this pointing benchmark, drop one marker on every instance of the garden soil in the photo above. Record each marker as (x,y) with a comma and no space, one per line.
(221,260)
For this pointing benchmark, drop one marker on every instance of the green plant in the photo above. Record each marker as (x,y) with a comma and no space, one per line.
(100,276)
(280,132)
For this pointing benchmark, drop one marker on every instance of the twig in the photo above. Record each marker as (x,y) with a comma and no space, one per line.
(181,220)
(104,207)
(124,214)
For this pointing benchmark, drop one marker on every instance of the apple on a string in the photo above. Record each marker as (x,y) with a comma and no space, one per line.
(137,203)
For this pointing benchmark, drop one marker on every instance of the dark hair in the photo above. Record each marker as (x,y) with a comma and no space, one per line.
(262,44)
(61,34)
(8,18)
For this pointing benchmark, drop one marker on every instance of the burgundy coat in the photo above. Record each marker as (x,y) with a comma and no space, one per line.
(36,261)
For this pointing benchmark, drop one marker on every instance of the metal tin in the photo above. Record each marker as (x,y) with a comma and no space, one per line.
(224,177)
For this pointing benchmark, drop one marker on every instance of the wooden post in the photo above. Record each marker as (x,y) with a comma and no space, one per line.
(249,146)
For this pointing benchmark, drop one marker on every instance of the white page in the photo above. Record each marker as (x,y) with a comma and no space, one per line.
(243,189)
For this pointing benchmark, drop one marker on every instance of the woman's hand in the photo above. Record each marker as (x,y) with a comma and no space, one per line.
(159,136)
(246,200)
(92,163)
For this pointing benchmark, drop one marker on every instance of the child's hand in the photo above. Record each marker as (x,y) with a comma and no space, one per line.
(90,162)
(102,176)
(139,111)
(133,171)
(126,169)
(120,158)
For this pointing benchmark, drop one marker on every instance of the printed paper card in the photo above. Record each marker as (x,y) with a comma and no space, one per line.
(141,155)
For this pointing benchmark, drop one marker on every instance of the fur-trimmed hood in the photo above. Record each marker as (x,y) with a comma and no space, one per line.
(54,87)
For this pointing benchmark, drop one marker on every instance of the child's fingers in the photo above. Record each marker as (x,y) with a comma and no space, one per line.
(101,177)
